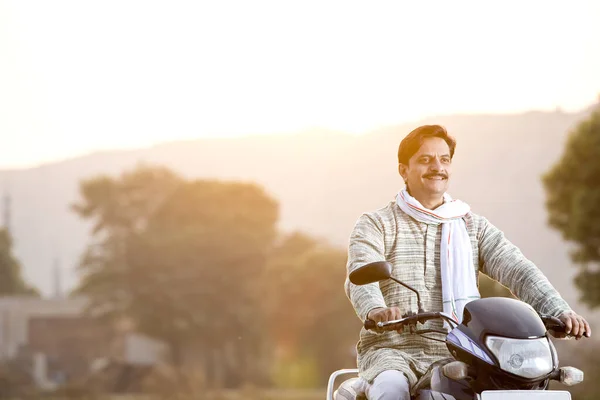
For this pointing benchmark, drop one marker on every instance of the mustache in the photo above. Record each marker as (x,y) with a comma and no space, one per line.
(440,174)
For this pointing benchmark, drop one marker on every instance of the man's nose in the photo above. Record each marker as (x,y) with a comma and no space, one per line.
(436,165)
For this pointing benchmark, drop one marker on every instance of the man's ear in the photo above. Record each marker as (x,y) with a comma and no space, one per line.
(402,170)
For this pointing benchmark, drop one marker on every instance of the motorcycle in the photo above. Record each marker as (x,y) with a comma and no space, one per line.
(500,350)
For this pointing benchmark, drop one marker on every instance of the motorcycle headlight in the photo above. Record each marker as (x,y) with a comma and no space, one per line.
(528,358)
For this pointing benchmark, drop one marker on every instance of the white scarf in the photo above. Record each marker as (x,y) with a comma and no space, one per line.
(459,285)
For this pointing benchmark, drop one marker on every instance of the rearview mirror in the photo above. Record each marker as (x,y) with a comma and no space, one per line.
(372,272)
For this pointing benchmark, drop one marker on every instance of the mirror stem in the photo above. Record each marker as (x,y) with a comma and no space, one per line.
(416,292)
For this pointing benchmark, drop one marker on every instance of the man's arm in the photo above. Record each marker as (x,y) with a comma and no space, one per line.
(503,261)
(366,246)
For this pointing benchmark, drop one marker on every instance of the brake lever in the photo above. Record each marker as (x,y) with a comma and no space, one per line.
(412,326)
(379,327)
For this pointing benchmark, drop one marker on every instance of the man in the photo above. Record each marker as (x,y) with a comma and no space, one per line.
(438,246)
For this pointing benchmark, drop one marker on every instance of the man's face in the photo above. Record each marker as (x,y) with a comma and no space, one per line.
(429,169)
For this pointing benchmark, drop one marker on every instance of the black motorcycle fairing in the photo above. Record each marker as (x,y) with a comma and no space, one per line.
(464,348)
(500,380)
(512,319)
(491,377)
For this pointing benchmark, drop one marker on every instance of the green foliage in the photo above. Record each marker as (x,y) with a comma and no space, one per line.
(572,196)
(200,265)
(181,259)
(119,209)
(307,309)
(588,282)
(11,281)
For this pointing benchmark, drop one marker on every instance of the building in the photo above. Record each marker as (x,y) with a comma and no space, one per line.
(58,343)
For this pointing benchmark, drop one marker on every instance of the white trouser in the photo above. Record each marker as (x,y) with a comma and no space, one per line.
(388,385)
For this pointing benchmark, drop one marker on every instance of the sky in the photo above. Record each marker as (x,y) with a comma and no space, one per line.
(80,76)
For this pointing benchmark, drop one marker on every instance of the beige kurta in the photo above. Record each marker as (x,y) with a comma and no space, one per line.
(414,250)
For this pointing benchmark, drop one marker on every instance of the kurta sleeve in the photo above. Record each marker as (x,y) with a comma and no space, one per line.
(366,246)
(503,261)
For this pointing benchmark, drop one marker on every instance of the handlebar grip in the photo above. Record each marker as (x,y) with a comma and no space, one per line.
(555,324)
(370,324)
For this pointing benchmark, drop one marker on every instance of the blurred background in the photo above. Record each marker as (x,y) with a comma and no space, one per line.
(179,179)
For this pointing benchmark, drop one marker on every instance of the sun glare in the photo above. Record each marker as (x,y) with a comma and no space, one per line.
(80,76)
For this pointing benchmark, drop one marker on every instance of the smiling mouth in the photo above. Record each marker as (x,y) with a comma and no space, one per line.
(435,177)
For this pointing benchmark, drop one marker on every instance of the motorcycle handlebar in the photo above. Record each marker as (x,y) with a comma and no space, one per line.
(555,324)
(397,324)
(551,323)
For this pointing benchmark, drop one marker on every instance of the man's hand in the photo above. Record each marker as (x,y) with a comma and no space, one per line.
(384,314)
(575,325)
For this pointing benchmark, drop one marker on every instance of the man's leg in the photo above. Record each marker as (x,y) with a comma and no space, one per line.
(389,385)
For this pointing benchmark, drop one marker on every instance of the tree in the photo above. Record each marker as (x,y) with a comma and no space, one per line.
(181,259)
(572,188)
(312,323)
(11,281)
(119,208)
(201,258)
